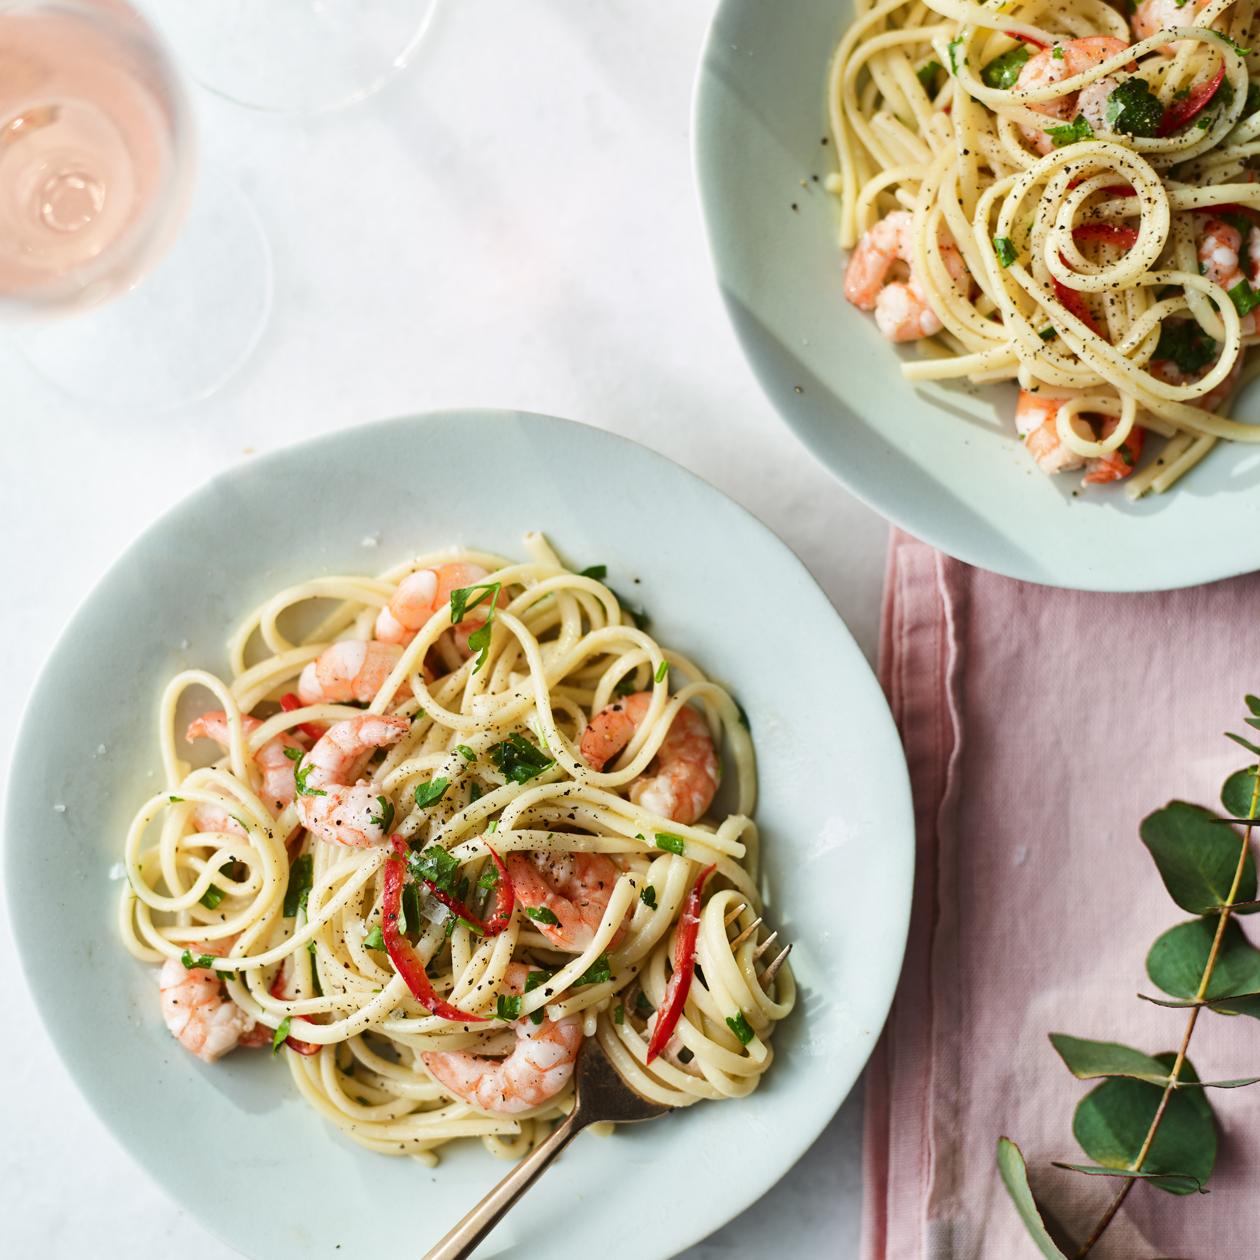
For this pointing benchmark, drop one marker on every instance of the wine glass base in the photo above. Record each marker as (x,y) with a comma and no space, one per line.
(293,56)
(184,330)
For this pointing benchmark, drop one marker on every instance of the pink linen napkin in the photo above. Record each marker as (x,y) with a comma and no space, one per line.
(1040,727)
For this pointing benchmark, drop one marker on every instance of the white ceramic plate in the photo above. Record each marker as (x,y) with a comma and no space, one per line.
(940,461)
(232,1142)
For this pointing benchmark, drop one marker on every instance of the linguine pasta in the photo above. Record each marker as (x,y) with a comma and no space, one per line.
(1087,178)
(490,769)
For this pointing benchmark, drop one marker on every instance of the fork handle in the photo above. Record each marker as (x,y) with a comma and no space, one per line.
(463,1240)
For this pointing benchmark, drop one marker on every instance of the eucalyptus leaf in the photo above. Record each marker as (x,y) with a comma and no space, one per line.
(1087,1060)
(1253,704)
(1112,1120)
(1014,1174)
(1229,1004)
(1237,793)
(1245,743)
(1197,859)
(1166,1181)
(1178,958)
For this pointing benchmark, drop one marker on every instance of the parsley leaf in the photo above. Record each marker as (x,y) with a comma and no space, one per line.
(1006,251)
(508,1006)
(1047,334)
(519,759)
(1057,52)
(662,671)
(626,686)
(466,752)
(435,866)
(293,754)
(647,895)
(1244,298)
(430,793)
(301,877)
(927,75)
(642,1005)
(1003,71)
(597,571)
(670,843)
(1185,344)
(740,1027)
(385,819)
(463,601)
(1225,39)
(489,879)
(540,914)
(282,1034)
(1134,109)
(375,939)
(300,774)
(597,973)
(954,46)
(532,981)
(212,896)
(1070,133)
(202,960)
(619,1014)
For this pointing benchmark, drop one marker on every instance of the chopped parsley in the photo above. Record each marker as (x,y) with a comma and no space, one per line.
(464,601)
(647,895)
(927,75)
(282,1034)
(1003,71)
(1225,39)
(1057,51)
(385,819)
(375,938)
(1252,103)
(596,973)
(202,960)
(597,571)
(642,1005)
(430,793)
(301,877)
(508,1006)
(466,752)
(954,46)
(1134,109)
(212,896)
(540,914)
(435,866)
(532,981)
(1047,334)
(1006,251)
(300,774)
(519,759)
(670,843)
(619,1014)
(662,671)
(489,879)
(1187,345)
(174,799)
(626,686)
(740,1027)
(1070,133)
(1244,298)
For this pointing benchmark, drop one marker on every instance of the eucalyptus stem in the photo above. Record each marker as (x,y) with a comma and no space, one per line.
(1175,1072)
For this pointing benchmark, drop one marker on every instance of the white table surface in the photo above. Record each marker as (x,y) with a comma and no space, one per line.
(512,222)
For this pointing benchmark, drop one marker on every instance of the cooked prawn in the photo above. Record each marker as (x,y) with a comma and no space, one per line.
(1220,259)
(574,887)
(198,1011)
(537,1069)
(351,670)
(901,308)
(272,758)
(1152,16)
(425,592)
(1036,421)
(685,778)
(1168,372)
(333,809)
(1045,68)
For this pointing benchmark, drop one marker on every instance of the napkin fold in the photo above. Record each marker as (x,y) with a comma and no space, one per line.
(1040,727)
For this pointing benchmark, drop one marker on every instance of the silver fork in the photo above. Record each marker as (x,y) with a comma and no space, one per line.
(600,1096)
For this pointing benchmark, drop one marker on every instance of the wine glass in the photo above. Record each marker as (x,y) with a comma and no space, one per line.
(301,56)
(97,162)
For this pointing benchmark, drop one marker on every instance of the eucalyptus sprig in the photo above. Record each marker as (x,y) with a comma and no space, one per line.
(1150,1119)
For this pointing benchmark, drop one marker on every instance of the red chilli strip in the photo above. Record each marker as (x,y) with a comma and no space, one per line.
(1181,112)
(301,1047)
(312,730)
(1112,233)
(405,959)
(1025,39)
(505,897)
(684,968)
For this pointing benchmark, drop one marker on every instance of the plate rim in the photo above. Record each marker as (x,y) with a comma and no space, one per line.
(954,543)
(793,1143)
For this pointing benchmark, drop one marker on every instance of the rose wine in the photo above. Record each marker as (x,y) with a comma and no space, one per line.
(95,152)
